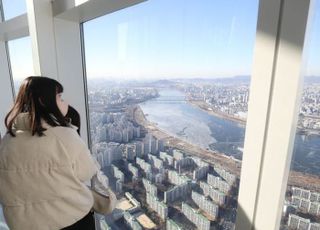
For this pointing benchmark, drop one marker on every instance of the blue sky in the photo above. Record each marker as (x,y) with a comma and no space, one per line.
(169,39)
(312,42)
(173,38)
(13,8)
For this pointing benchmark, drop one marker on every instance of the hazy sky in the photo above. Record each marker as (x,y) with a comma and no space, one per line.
(168,39)
(173,38)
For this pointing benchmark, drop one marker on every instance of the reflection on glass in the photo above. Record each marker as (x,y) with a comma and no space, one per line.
(20,54)
(168,88)
(302,199)
(13,8)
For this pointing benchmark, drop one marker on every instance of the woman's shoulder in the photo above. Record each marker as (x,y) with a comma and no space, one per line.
(66,135)
(70,140)
(63,130)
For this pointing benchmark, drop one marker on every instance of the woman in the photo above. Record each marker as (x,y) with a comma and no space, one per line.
(44,164)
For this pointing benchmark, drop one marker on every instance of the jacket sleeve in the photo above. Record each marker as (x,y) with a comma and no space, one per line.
(83,163)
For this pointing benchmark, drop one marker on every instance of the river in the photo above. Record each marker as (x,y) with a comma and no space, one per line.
(173,114)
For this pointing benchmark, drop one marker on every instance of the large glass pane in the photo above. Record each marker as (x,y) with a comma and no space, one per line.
(13,8)
(302,199)
(21,64)
(20,54)
(168,87)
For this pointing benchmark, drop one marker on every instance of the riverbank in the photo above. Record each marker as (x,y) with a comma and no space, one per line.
(210,156)
(307,132)
(232,165)
(203,106)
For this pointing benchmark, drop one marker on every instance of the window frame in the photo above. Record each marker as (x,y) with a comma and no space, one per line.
(256,170)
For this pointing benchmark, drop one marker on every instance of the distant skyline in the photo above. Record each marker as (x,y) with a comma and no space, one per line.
(164,39)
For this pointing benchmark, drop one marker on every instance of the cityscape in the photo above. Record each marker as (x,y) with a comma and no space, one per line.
(164,180)
(167,132)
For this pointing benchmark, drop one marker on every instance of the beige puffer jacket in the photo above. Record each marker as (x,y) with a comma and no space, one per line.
(42,178)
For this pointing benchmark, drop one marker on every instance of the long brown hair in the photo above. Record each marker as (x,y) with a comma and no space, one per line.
(37,96)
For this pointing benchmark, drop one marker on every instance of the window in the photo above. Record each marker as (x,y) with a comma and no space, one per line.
(13,8)
(168,88)
(21,65)
(302,198)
